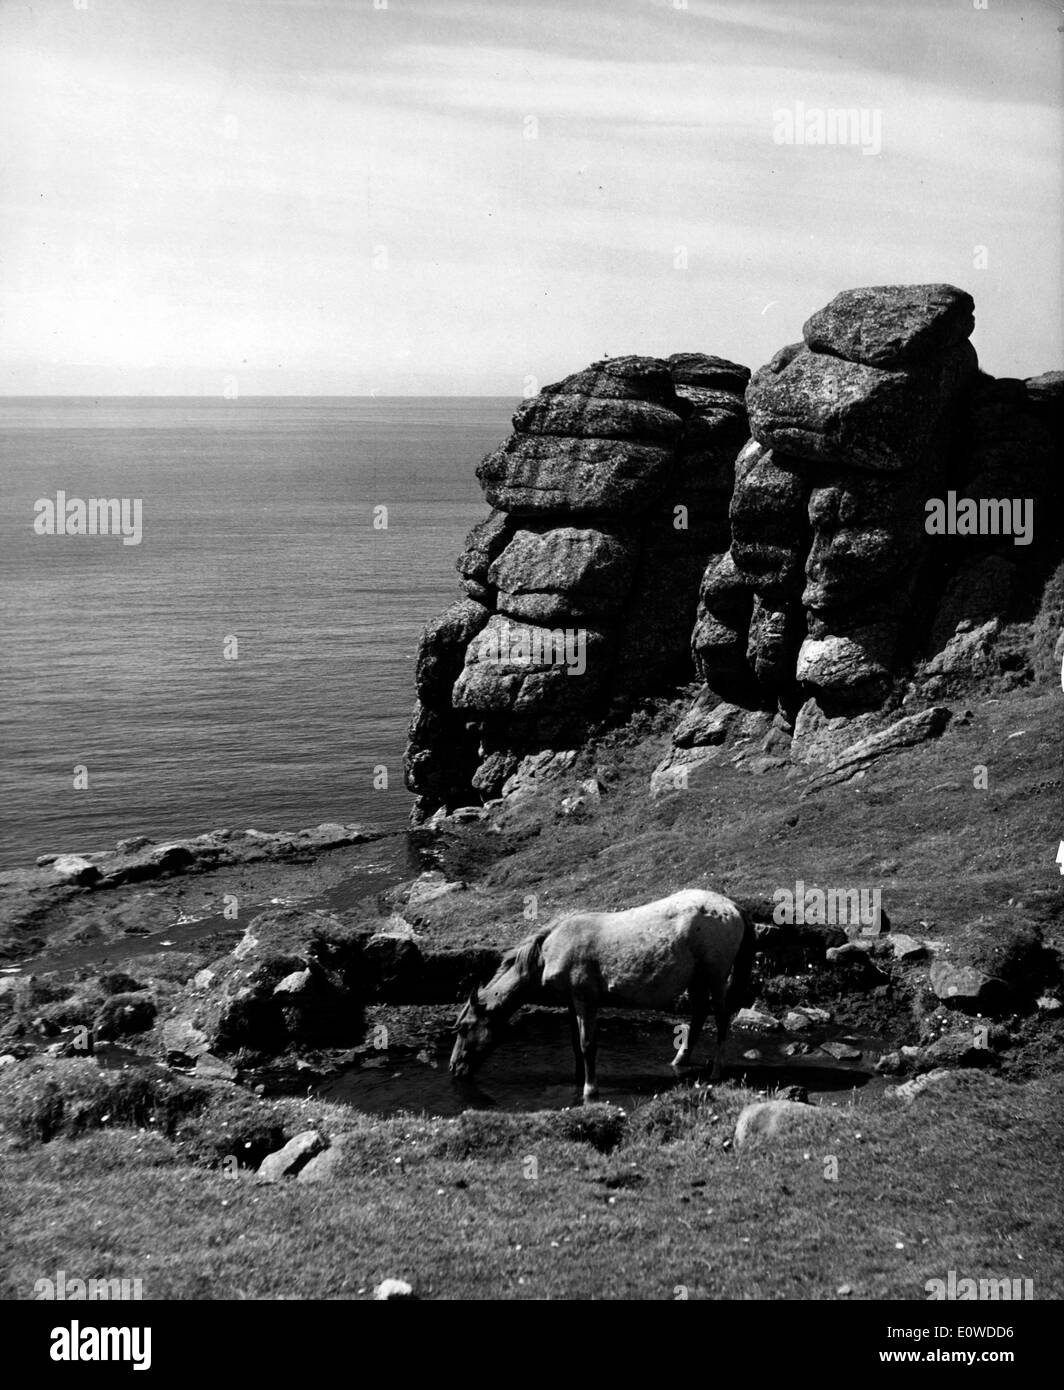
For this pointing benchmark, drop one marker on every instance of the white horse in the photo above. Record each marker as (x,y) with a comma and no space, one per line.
(644,957)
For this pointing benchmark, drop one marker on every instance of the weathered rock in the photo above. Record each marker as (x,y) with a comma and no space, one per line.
(891,325)
(483,544)
(967,652)
(907,947)
(835,411)
(904,733)
(853,667)
(533,475)
(563,575)
(182,1040)
(74,869)
(589,417)
(964,987)
(523,668)
(767,1118)
(714,373)
(287,1162)
(442,648)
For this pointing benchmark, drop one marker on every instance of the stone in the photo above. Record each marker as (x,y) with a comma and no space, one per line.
(531,475)
(182,1039)
(909,1090)
(891,325)
(907,947)
(768,1118)
(390,1289)
(75,869)
(214,1068)
(904,733)
(323,1167)
(967,652)
(855,667)
(442,648)
(563,575)
(295,983)
(755,1021)
(707,723)
(963,986)
(715,373)
(841,1051)
(580,416)
(827,409)
(287,1162)
(522,668)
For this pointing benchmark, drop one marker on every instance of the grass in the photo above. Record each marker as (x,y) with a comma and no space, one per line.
(573,1205)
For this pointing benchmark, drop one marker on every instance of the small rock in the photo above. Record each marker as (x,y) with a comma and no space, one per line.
(767,1117)
(1048,1004)
(203,979)
(394,1289)
(288,1161)
(322,1167)
(296,983)
(907,947)
(213,1067)
(182,1039)
(7,1059)
(45,859)
(963,986)
(73,868)
(842,1052)
(756,1021)
(909,1090)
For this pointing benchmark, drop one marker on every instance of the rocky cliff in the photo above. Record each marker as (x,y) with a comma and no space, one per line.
(838,537)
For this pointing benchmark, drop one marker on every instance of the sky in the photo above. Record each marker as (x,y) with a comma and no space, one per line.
(346,197)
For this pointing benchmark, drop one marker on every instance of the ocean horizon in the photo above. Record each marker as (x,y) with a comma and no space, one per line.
(249,662)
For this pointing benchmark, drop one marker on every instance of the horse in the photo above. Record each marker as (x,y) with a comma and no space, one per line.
(644,957)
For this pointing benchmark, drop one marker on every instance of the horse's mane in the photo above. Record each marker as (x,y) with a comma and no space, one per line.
(526,957)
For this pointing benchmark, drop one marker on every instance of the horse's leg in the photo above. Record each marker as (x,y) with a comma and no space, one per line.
(698,992)
(578,1049)
(719,990)
(586,1011)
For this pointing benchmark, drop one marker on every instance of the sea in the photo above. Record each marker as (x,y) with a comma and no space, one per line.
(250,662)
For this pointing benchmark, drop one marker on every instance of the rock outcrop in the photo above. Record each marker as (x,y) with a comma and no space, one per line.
(849,531)
(608,501)
(856,577)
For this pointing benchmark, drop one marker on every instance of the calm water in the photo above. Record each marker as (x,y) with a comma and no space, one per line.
(257,523)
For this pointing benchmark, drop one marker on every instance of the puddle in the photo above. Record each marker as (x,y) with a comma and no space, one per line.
(534,1070)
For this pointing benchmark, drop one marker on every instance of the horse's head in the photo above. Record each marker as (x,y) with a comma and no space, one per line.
(477,1030)
(480,1026)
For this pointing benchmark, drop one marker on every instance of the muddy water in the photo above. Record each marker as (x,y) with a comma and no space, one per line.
(533,1070)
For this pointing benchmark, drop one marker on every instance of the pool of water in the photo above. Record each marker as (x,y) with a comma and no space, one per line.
(534,1070)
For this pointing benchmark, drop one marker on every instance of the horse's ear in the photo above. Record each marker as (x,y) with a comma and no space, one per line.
(473,1002)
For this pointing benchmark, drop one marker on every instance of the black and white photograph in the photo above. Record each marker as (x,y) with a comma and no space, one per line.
(532,554)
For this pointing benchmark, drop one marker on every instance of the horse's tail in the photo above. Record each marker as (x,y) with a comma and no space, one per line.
(739,993)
